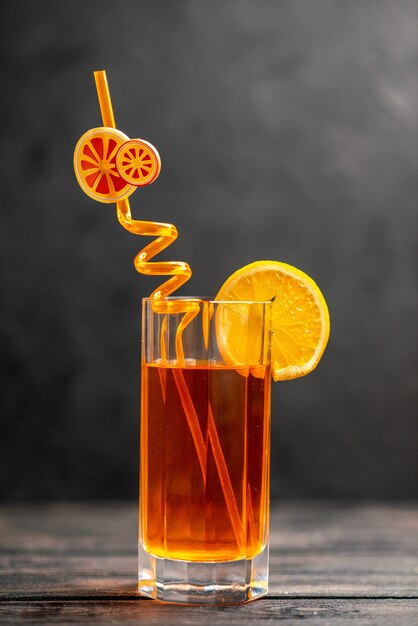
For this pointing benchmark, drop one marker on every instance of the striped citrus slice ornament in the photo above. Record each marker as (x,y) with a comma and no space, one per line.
(95,165)
(138,162)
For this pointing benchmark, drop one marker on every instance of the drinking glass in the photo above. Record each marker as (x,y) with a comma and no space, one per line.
(204,450)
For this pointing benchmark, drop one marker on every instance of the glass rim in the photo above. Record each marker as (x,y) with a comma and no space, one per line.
(204,299)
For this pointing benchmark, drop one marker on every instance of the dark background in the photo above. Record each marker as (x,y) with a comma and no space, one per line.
(287,131)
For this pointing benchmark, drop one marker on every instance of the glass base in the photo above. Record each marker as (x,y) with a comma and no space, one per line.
(197,582)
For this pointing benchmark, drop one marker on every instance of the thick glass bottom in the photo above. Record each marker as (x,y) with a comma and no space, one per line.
(193,582)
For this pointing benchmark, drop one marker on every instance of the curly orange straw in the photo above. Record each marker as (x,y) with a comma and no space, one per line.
(180,273)
(166,233)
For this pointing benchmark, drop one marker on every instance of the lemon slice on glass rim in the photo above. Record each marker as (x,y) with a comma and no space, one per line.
(300,318)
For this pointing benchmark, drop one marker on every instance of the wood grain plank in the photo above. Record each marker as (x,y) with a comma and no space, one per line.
(287,612)
(67,551)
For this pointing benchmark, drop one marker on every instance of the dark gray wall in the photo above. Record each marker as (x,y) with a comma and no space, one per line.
(287,131)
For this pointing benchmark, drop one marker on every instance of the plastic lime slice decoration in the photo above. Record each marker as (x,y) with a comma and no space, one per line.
(138,162)
(95,165)
(300,318)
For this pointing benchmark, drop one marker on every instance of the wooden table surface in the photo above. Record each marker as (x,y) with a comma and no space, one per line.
(329,564)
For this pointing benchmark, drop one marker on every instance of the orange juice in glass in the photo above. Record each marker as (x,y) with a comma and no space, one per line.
(205,450)
(207,367)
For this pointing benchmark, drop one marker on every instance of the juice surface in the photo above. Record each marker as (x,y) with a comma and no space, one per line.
(183,508)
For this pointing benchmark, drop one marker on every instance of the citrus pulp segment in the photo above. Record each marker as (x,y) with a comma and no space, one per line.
(300,319)
(138,162)
(95,165)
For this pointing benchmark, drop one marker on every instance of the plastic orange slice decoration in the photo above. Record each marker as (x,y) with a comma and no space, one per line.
(138,162)
(95,165)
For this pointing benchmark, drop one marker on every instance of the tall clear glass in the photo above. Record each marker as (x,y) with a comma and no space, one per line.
(204,451)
